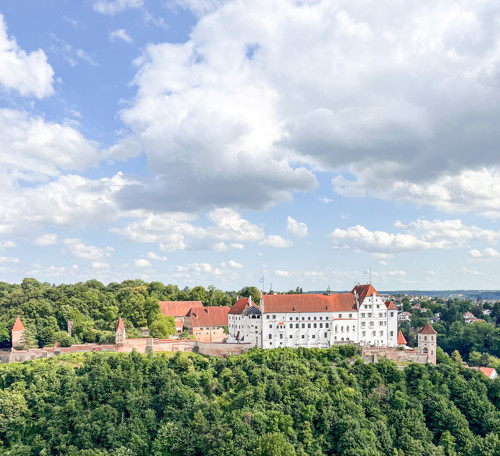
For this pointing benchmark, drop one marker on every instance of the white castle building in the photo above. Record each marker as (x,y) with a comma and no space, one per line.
(315,320)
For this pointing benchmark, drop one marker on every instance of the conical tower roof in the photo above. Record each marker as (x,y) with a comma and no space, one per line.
(401,338)
(119,325)
(18,325)
(427,329)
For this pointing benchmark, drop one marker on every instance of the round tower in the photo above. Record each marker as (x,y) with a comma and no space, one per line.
(427,343)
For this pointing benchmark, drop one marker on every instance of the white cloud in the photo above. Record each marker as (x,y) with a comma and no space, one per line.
(195,267)
(78,249)
(100,265)
(488,252)
(234,265)
(34,149)
(273,240)
(120,34)
(84,55)
(7,245)
(198,7)
(29,74)
(296,228)
(281,273)
(5,260)
(46,239)
(153,256)
(142,263)
(402,109)
(420,235)
(237,246)
(111,7)
(471,271)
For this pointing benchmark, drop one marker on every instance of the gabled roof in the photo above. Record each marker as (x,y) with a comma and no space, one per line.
(119,325)
(401,338)
(488,371)
(18,325)
(178,308)
(363,291)
(344,302)
(427,329)
(390,305)
(240,305)
(209,316)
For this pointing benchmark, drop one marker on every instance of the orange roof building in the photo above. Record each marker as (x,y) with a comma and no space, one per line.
(178,309)
(18,325)
(120,335)
(207,324)
(17,333)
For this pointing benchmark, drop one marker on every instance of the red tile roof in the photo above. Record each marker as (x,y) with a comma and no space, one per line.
(18,325)
(487,371)
(363,291)
(209,316)
(427,329)
(240,306)
(390,305)
(309,303)
(401,338)
(178,308)
(119,325)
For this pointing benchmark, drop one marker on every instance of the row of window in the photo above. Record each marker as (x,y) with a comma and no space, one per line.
(313,336)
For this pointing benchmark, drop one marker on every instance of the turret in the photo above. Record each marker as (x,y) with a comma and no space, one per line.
(427,342)
(120,332)
(17,333)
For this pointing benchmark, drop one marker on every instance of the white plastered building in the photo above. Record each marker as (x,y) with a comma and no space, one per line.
(315,320)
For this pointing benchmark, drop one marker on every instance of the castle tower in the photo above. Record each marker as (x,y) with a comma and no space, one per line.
(427,342)
(120,332)
(17,333)
(401,339)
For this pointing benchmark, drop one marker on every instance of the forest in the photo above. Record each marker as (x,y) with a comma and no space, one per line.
(280,402)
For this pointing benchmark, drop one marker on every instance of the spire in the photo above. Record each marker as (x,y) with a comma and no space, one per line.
(401,338)
(119,325)
(427,329)
(18,325)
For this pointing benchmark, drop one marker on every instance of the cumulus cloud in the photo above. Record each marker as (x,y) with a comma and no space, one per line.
(420,235)
(281,273)
(234,265)
(273,240)
(100,265)
(195,267)
(46,239)
(153,256)
(142,263)
(78,249)
(27,73)
(111,7)
(241,112)
(120,34)
(296,228)
(35,150)
(488,252)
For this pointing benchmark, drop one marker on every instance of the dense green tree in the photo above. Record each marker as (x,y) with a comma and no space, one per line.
(163,327)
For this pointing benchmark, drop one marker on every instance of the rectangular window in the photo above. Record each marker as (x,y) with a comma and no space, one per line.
(291,325)
(303,325)
(381,333)
(267,316)
(362,315)
(326,335)
(270,336)
(321,325)
(392,314)
(374,333)
(271,326)
(303,336)
(274,317)
(296,325)
(315,325)
(281,336)
(327,325)
(350,315)
(314,337)
(291,336)
(308,325)
(363,333)
(392,333)
(340,315)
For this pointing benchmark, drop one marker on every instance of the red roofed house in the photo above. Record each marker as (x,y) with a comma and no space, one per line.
(427,343)
(120,335)
(488,371)
(17,333)
(207,323)
(178,310)
(317,320)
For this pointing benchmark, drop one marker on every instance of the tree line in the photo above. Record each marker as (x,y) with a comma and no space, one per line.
(282,402)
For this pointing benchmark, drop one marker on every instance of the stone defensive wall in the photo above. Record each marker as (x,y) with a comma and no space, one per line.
(146,345)
(372,354)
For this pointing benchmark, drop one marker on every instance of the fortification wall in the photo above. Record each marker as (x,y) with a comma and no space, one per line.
(372,354)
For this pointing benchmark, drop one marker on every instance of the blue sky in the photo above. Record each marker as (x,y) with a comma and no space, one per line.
(214,142)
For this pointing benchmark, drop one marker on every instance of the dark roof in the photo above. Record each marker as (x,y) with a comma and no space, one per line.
(427,329)
(178,308)
(209,316)
(309,303)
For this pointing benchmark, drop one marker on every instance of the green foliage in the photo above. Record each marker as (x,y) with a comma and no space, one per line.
(163,327)
(265,402)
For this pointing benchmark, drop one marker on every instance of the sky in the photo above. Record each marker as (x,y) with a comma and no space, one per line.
(199,142)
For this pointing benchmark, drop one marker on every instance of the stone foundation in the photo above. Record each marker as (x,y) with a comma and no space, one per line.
(372,354)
